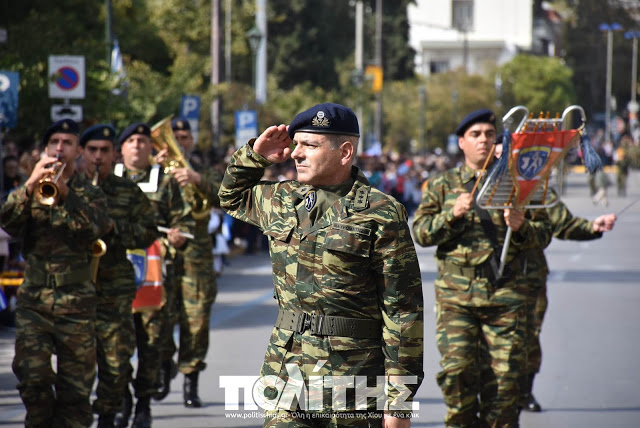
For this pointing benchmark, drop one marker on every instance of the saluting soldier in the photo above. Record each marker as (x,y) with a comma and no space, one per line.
(134,227)
(56,308)
(196,287)
(345,270)
(474,304)
(170,212)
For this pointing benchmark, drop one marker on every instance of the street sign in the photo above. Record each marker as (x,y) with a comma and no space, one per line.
(66,76)
(66,111)
(190,110)
(246,126)
(374,72)
(9,98)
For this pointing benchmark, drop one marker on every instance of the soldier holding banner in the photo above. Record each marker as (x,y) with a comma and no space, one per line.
(475,304)
(134,227)
(170,212)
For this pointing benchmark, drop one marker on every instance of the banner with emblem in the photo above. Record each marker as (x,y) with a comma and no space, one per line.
(147,266)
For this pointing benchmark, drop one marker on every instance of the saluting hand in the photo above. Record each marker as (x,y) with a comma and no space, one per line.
(274,144)
(604,223)
(463,204)
(514,219)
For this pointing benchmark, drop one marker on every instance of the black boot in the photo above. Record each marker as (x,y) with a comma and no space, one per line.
(121,419)
(168,371)
(142,418)
(106,421)
(190,390)
(529,401)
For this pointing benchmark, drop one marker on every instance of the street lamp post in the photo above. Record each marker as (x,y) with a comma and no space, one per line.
(255,37)
(609,28)
(633,104)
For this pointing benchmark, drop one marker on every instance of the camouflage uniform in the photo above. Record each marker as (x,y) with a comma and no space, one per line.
(195,289)
(170,211)
(473,307)
(565,226)
(356,260)
(56,302)
(134,227)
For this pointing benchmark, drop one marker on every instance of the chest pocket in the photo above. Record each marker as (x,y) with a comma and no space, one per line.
(345,256)
(279,240)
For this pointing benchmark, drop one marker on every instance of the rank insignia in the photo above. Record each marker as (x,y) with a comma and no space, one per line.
(310,200)
(320,120)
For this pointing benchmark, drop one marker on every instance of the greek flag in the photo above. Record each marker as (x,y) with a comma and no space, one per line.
(117,66)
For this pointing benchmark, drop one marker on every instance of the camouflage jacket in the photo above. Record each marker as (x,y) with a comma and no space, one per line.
(166,200)
(464,241)
(357,260)
(134,227)
(566,227)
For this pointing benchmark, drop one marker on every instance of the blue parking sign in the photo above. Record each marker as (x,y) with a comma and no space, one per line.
(246,126)
(9,81)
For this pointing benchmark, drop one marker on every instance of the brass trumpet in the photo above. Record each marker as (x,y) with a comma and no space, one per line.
(98,249)
(162,137)
(47,191)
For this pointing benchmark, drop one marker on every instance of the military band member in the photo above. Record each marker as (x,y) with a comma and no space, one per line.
(474,305)
(345,271)
(196,288)
(134,227)
(57,301)
(170,212)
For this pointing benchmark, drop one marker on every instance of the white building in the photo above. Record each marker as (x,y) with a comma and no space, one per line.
(471,34)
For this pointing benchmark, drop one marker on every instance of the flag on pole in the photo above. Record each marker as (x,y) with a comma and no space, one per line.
(117,66)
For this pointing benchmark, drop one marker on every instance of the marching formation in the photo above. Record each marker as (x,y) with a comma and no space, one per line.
(117,254)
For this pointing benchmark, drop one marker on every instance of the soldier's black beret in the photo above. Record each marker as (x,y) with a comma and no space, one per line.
(100,131)
(65,126)
(134,128)
(326,118)
(180,124)
(479,116)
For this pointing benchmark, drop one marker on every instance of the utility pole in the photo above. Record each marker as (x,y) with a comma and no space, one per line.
(359,70)
(261,60)
(378,118)
(215,71)
(227,41)
(108,34)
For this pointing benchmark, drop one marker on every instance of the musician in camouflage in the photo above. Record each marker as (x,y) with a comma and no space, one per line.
(170,212)
(567,227)
(473,304)
(196,287)
(57,301)
(345,272)
(134,227)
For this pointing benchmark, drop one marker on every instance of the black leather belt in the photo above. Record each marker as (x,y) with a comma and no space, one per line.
(324,325)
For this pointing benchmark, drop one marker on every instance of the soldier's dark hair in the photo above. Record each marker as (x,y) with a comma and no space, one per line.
(336,140)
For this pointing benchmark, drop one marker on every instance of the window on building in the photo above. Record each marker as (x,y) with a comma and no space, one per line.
(462,14)
(438,67)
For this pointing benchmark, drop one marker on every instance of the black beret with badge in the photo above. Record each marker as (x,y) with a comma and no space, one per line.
(64,126)
(134,128)
(100,131)
(326,118)
(479,116)
(180,124)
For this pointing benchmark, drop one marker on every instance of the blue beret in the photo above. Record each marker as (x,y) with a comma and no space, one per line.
(180,124)
(134,128)
(65,126)
(327,118)
(100,131)
(479,116)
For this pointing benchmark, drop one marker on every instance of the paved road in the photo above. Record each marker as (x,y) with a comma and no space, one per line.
(589,377)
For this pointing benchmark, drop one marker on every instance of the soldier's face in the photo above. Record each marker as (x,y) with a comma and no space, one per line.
(136,151)
(65,146)
(184,138)
(476,144)
(100,155)
(317,163)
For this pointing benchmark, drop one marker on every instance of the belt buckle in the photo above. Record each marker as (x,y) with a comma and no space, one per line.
(303,323)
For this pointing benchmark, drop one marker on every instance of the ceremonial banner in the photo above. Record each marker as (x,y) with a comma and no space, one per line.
(147,265)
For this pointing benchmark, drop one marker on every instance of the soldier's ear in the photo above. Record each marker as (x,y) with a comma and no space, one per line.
(347,150)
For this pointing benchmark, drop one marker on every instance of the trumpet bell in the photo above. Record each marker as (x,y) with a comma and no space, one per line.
(47,193)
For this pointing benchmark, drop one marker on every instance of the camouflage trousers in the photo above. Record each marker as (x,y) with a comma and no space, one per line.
(148,328)
(39,334)
(190,307)
(115,336)
(536,309)
(469,318)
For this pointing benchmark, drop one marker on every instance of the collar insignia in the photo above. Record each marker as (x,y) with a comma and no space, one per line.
(320,120)
(310,200)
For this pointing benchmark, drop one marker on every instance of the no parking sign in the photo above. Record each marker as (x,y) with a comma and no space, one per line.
(66,76)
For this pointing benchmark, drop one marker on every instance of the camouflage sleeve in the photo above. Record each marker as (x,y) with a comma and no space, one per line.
(241,194)
(209,185)
(434,223)
(566,226)
(15,212)
(535,232)
(179,212)
(139,229)
(400,287)
(83,218)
